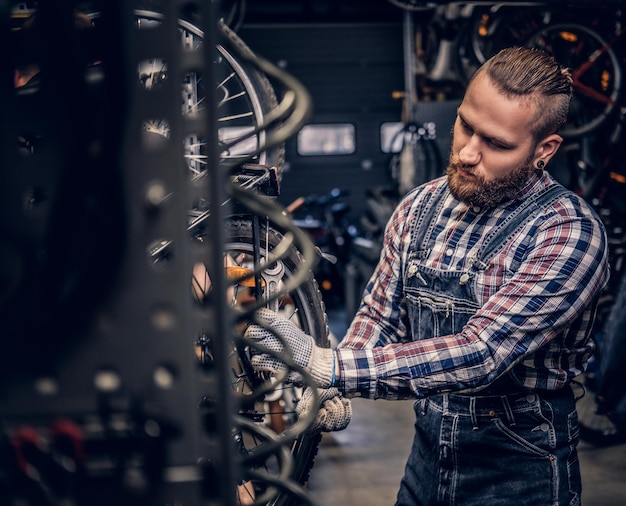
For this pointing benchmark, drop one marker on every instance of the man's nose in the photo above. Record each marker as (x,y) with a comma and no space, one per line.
(470,153)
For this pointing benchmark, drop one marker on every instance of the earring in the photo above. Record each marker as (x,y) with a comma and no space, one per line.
(540,164)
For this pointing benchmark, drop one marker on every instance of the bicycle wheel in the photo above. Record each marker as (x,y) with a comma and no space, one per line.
(492,28)
(245,96)
(595,69)
(304,305)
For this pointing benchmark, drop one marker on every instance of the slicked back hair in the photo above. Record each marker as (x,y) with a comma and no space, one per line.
(521,72)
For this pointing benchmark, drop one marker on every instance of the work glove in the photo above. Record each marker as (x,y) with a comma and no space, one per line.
(317,361)
(334,411)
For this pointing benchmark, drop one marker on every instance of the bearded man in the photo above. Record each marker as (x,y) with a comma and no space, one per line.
(480,308)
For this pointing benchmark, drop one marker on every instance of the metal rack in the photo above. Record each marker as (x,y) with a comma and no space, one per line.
(100,387)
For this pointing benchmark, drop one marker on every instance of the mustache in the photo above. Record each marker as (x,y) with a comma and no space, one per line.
(455,164)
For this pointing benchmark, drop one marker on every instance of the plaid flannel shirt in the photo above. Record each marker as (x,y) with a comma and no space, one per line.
(534,322)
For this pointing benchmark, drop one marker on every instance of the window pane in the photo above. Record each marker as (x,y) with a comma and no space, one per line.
(390,137)
(329,139)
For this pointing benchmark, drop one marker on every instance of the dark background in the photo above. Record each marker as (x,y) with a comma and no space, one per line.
(349,55)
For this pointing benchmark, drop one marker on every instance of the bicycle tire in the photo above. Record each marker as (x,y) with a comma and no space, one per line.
(308,307)
(573,45)
(245,97)
(600,423)
(610,387)
(259,88)
(490,29)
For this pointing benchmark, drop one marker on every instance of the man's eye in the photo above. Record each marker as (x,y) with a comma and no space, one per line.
(497,145)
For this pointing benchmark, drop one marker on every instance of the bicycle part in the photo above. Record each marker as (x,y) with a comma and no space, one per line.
(419,151)
(257,96)
(596,427)
(234,13)
(273,443)
(602,411)
(409,61)
(495,27)
(596,72)
(305,306)
(444,69)
(245,97)
(612,351)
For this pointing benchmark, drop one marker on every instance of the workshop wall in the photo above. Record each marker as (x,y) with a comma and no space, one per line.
(352,70)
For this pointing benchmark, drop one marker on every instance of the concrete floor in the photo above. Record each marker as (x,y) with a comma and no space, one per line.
(363,465)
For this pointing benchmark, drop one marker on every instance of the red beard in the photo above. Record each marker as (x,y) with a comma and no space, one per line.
(474,190)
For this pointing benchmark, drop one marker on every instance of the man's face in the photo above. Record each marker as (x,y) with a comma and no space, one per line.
(493,151)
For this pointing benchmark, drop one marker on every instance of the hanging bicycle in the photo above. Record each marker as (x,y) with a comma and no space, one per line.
(260,260)
(266,258)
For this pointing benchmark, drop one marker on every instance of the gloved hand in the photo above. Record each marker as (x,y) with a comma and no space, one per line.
(334,412)
(317,361)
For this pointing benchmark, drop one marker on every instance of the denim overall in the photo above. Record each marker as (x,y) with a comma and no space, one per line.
(501,446)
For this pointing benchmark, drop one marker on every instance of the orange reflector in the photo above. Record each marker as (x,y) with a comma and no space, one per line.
(604,80)
(236,272)
(620,178)
(482,27)
(326,285)
(568,36)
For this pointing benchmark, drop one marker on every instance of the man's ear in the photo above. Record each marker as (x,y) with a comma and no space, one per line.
(547,148)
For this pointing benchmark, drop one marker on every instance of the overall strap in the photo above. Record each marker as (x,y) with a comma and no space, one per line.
(425,222)
(527,210)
